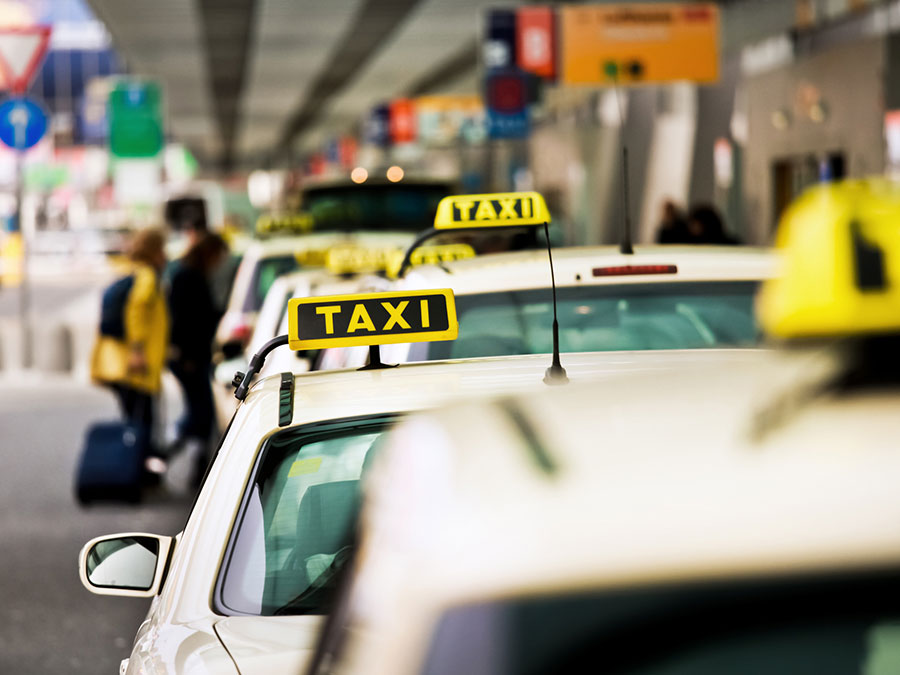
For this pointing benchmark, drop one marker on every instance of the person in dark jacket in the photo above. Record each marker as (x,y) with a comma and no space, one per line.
(706,227)
(194,316)
(673,227)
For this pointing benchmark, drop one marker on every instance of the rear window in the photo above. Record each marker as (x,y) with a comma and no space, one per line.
(296,526)
(677,315)
(810,626)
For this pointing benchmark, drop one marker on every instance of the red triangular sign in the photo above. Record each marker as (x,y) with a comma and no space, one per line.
(21,51)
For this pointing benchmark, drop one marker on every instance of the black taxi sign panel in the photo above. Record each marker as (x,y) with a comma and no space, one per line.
(501,209)
(371,319)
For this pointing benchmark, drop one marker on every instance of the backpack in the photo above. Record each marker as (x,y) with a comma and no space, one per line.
(112,307)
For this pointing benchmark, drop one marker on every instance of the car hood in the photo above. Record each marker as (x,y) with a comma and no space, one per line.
(261,645)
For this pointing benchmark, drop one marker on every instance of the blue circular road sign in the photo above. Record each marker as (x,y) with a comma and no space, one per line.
(23,122)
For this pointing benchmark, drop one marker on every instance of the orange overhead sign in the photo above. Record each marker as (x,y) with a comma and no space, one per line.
(640,42)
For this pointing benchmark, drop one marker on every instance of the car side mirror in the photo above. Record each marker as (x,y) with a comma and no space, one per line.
(130,564)
(232,350)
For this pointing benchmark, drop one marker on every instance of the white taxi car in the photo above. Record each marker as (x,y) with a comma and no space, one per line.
(642,525)
(739,518)
(266,260)
(244,587)
(262,265)
(659,297)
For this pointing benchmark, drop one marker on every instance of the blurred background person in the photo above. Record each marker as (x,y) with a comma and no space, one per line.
(195,316)
(705,226)
(130,351)
(187,215)
(673,226)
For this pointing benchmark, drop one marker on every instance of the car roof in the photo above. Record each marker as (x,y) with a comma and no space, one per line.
(660,477)
(574,265)
(302,278)
(342,393)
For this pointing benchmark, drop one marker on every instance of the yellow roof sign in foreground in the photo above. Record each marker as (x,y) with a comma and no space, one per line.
(371,319)
(491,210)
(840,276)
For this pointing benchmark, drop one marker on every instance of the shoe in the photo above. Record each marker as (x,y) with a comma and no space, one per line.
(154,470)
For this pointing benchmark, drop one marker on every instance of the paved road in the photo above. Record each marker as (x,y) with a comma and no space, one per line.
(48,623)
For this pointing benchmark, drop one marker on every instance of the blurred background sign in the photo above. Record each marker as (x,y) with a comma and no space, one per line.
(135,119)
(402,122)
(22,49)
(507,104)
(377,126)
(536,41)
(446,119)
(23,123)
(640,42)
(499,47)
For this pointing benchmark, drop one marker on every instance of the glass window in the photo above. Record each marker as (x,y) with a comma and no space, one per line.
(678,315)
(296,525)
(348,208)
(265,274)
(798,626)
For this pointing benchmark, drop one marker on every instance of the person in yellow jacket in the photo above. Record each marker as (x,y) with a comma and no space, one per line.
(132,364)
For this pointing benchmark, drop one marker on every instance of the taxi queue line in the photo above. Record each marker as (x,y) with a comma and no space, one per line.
(276,530)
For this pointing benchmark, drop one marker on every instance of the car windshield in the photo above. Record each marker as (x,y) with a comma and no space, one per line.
(823,625)
(267,271)
(676,315)
(295,530)
(407,207)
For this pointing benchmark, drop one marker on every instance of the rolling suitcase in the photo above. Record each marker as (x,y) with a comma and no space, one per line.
(112,463)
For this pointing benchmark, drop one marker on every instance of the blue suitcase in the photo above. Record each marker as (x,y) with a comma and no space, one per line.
(112,463)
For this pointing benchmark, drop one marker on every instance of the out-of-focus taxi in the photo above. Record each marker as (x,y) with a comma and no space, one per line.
(737,519)
(341,266)
(662,297)
(244,587)
(267,259)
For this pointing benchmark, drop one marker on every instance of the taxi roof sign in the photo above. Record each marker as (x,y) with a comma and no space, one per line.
(430,255)
(300,222)
(350,259)
(501,209)
(368,319)
(840,275)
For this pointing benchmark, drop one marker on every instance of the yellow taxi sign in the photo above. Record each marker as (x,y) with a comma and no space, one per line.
(430,255)
(359,259)
(371,319)
(285,223)
(840,263)
(312,257)
(499,209)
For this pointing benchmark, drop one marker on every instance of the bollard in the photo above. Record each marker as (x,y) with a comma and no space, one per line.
(53,350)
(11,352)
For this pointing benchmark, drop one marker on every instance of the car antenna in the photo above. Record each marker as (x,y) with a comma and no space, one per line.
(625,244)
(555,374)
(242,381)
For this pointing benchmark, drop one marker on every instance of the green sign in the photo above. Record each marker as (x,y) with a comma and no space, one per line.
(45,176)
(135,119)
